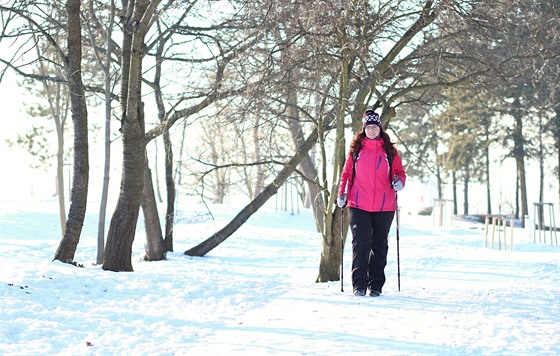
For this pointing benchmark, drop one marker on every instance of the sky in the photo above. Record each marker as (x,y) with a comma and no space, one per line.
(255,294)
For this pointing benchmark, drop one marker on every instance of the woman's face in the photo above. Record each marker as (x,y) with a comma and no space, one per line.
(372,131)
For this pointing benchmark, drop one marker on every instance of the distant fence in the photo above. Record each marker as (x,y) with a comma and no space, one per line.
(498,222)
(540,211)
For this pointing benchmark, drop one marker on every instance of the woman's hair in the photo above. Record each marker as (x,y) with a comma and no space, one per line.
(356,144)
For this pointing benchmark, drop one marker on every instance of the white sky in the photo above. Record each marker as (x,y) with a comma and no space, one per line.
(17,177)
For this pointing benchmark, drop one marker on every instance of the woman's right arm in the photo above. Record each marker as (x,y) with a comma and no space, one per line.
(346,176)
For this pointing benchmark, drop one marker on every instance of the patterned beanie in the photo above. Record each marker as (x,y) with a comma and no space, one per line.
(371,118)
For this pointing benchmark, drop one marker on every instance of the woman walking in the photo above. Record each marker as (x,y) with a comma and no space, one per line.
(372,174)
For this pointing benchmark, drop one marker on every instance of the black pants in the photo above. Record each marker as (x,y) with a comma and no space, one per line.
(369,247)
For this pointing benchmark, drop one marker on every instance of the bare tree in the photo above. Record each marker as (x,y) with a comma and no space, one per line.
(209,244)
(37,140)
(297,76)
(73,60)
(122,229)
(106,63)
(24,22)
(154,239)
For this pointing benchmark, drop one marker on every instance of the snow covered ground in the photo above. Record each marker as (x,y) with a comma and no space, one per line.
(255,294)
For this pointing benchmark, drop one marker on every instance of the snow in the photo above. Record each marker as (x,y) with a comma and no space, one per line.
(255,294)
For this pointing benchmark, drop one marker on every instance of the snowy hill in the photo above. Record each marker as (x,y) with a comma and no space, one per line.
(255,293)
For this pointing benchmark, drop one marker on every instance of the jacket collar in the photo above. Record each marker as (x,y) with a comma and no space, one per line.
(372,144)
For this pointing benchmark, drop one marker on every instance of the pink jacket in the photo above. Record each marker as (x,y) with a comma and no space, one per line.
(370,189)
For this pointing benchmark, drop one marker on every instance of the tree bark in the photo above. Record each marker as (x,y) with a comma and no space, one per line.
(333,233)
(487,173)
(467,179)
(67,248)
(519,155)
(122,229)
(259,179)
(454,184)
(154,237)
(169,182)
(556,128)
(107,141)
(170,185)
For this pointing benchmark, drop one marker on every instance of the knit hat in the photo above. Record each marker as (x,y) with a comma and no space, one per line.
(371,118)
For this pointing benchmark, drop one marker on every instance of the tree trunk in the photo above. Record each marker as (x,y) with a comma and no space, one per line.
(156,165)
(154,237)
(170,184)
(487,172)
(466,190)
(209,244)
(219,176)
(307,166)
(516,213)
(439,180)
(556,128)
(168,147)
(331,253)
(541,161)
(122,229)
(67,248)
(60,126)
(540,155)
(333,245)
(58,106)
(519,154)
(259,181)
(60,193)
(107,141)
(454,183)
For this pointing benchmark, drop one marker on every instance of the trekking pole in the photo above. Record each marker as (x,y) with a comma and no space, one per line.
(342,243)
(342,249)
(398,257)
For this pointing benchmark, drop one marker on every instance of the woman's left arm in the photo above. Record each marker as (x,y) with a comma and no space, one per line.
(397,167)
